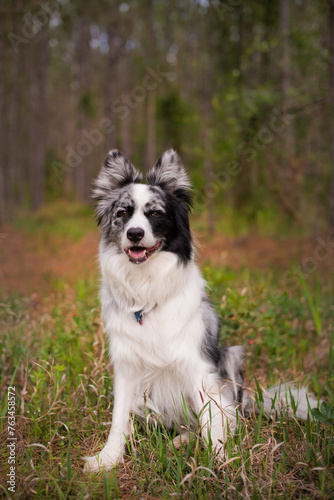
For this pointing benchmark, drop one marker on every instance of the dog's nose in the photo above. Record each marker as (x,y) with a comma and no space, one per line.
(135,234)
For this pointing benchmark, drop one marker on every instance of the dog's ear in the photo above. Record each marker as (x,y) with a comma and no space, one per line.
(116,173)
(169,174)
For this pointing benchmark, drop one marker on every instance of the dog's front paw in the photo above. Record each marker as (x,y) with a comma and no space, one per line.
(220,453)
(106,459)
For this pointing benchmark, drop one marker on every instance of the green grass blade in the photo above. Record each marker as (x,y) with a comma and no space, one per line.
(68,460)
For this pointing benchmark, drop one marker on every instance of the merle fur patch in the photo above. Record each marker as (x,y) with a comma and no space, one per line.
(169,174)
(116,173)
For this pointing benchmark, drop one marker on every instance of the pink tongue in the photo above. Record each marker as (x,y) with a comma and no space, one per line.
(138,252)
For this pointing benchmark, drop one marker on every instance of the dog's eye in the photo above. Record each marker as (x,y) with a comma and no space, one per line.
(154,213)
(121,213)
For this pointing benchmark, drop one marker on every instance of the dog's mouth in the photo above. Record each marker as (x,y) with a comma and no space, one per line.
(137,255)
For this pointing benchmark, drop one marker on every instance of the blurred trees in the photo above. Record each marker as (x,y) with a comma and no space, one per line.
(239,88)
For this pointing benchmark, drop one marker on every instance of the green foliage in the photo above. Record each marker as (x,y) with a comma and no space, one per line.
(53,188)
(173,117)
(313,302)
(57,219)
(87,105)
(324,414)
(214,70)
(263,317)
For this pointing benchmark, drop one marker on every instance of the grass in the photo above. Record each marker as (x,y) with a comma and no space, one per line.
(60,218)
(55,353)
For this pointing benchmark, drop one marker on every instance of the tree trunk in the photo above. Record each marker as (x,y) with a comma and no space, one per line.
(290,173)
(208,167)
(116,45)
(13,180)
(38,53)
(331,105)
(83,147)
(209,178)
(112,80)
(150,156)
(2,127)
(150,150)
(286,76)
(206,76)
(22,126)
(125,121)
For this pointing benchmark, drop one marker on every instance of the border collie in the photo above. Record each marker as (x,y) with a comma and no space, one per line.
(163,332)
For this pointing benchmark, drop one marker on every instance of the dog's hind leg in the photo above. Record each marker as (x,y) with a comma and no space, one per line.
(114,448)
(217,414)
(181,440)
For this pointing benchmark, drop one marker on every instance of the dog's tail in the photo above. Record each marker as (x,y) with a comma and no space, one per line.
(283,399)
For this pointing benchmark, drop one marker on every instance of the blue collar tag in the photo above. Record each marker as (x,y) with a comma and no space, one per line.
(139,317)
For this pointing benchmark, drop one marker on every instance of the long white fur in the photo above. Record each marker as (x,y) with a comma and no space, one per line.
(284,398)
(161,356)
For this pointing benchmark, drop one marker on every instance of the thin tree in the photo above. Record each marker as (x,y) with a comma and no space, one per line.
(13,99)
(288,188)
(2,156)
(115,50)
(38,56)
(126,120)
(150,151)
(331,105)
(208,166)
(84,67)
(286,74)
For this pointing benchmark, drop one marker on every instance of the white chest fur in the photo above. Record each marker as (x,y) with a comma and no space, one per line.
(163,353)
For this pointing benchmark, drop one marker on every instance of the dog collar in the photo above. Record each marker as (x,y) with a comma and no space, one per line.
(139,317)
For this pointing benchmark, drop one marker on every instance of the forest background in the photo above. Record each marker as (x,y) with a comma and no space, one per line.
(243,90)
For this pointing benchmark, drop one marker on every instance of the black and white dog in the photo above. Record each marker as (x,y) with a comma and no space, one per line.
(162,330)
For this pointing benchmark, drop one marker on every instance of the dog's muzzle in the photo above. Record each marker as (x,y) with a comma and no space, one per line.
(140,254)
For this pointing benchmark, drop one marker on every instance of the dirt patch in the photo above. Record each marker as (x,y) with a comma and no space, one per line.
(259,252)
(30,265)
